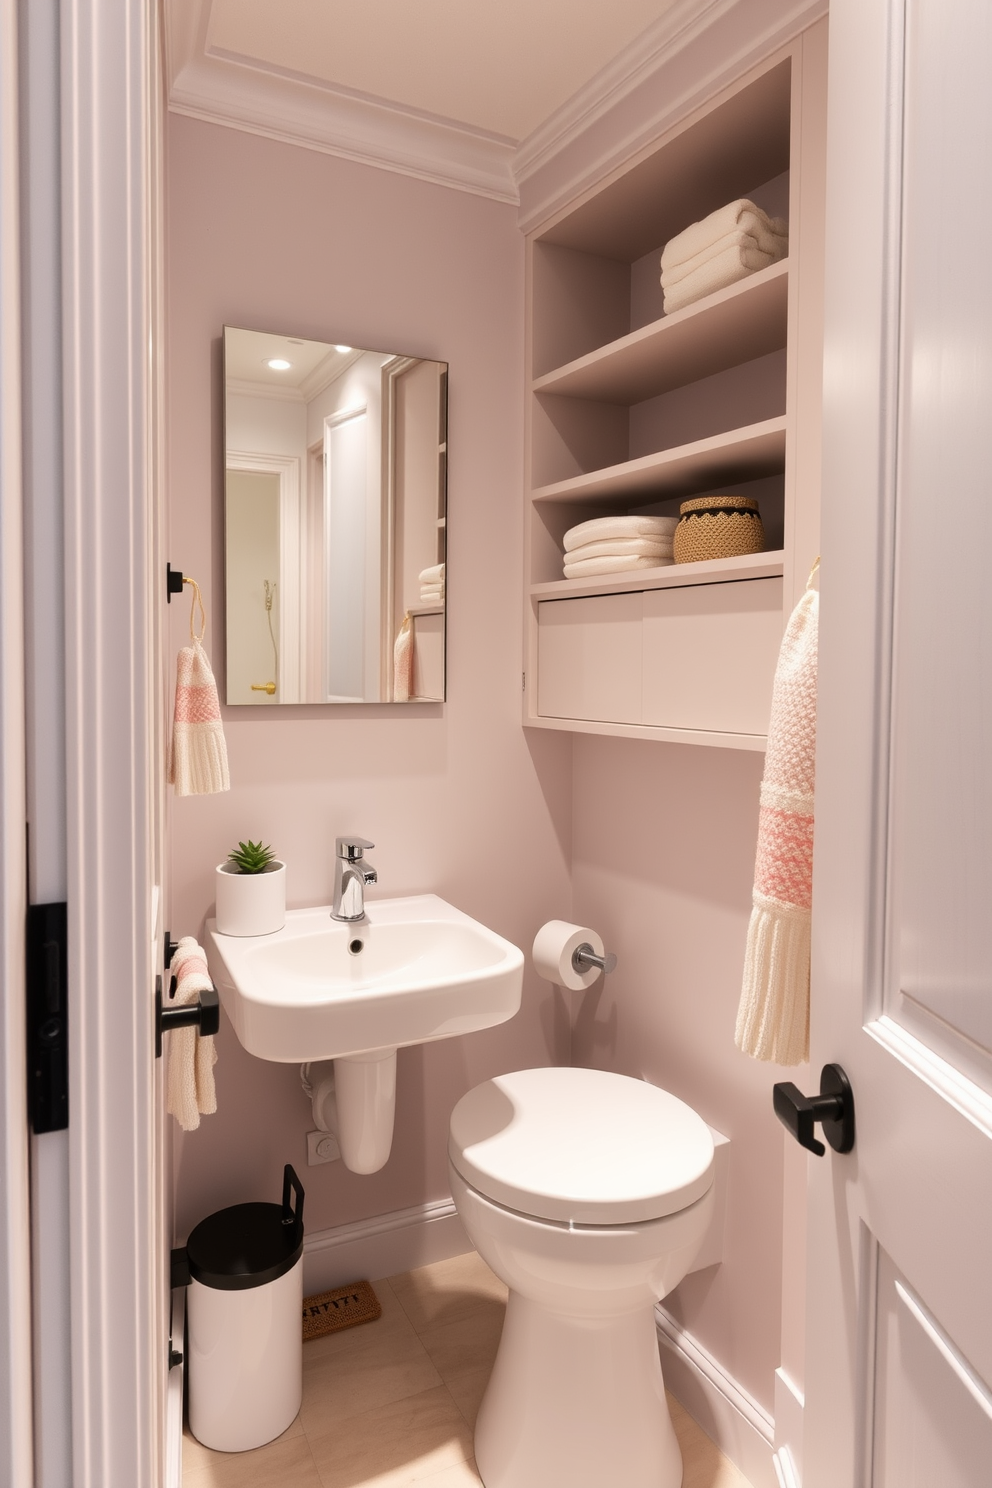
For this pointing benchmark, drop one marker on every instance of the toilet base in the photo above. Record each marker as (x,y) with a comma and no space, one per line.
(576,1400)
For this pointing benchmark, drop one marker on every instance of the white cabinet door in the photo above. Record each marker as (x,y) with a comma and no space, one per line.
(589,658)
(709,655)
(899,1338)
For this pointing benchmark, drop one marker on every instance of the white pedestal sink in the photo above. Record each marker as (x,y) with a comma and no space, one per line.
(412,971)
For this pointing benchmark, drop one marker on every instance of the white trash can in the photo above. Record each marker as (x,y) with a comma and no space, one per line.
(245,1322)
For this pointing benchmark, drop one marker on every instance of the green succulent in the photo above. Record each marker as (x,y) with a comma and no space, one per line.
(251,857)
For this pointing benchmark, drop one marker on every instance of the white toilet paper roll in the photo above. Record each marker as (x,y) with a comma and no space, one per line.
(554,946)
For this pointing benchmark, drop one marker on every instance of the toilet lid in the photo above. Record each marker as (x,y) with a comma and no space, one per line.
(581,1145)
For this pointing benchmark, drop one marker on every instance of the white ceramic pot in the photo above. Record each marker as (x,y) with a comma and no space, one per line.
(251,903)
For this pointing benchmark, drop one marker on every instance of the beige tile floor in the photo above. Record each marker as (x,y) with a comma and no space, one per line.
(394,1402)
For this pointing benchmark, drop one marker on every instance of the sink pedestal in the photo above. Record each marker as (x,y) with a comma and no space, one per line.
(365,1087)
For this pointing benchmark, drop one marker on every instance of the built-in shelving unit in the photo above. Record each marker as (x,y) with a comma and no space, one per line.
(678,576)
(632,410)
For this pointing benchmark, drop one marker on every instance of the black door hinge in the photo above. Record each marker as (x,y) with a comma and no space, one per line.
(47,1019)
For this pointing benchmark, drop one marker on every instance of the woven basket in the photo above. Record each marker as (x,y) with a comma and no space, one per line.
(718,527)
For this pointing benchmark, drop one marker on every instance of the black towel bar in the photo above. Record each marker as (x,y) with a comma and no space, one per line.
(204,1014)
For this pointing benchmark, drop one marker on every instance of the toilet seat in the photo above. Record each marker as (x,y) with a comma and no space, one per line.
(582,1146)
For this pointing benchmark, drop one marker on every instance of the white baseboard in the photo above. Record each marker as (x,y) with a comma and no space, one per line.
(789,1406)
(382,1246)
(742,1430)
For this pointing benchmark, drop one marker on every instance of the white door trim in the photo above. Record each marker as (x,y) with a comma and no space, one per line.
(109,68)
(16,1456)
(292,595)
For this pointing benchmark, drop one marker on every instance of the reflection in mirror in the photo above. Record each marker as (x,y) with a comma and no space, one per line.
(335,515)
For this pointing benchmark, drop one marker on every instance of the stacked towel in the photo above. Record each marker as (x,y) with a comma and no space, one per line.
(615,545)
(432,585)
(190,1089)
(736,240)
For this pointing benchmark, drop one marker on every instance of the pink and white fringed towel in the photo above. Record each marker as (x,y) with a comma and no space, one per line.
(190,1089)
(403,662)
(773,1018)
(199,749)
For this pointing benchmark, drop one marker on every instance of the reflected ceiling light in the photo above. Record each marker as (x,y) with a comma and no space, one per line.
(278,364)
(342,349)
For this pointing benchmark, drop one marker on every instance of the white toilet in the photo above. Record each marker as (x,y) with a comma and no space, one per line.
(589,1194)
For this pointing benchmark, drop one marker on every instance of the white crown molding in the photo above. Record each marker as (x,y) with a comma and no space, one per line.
(673,74)
(669,63)
(671,33)
(239,92)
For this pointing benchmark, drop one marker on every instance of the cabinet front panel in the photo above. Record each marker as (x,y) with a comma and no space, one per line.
(589,658)
(709,655)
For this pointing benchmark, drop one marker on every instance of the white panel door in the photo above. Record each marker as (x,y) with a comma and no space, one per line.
(899,1333)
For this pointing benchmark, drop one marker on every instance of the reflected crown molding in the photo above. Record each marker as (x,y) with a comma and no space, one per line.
(246,389)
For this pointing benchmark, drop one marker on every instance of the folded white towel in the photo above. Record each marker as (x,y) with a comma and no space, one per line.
(604,529)
(588,568)
(432,596)
(769,243)
(727,268)
(699,236)
(433,575)
(190,1090)
(623,547)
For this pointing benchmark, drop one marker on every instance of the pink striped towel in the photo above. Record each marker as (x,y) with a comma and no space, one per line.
(199,750)
(773,1018)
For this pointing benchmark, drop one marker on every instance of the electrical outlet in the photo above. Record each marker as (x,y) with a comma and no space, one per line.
(322,1147)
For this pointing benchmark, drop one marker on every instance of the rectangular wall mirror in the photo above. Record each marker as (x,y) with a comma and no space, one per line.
(335,511)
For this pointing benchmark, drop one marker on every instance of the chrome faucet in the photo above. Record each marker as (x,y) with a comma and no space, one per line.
(351,876)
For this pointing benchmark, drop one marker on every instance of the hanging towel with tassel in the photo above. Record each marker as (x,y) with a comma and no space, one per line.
(190,1090)
(773,1018)
(199,750)
(403,662)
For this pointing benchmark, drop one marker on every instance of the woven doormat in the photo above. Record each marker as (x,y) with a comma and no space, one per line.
(343,1307)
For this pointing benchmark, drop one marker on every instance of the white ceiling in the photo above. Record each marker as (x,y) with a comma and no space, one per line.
(502,66)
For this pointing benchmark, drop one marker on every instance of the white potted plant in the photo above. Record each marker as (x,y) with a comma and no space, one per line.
(251,891)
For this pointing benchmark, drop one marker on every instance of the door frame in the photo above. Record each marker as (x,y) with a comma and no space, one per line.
(111,120)
(16,1415)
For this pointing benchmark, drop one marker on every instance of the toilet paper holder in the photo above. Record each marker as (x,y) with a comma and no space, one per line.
(584,957)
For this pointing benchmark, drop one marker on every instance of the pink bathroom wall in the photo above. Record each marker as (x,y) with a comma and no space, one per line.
(663,855)
(458,799)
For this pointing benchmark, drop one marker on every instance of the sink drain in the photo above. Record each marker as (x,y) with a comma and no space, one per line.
(356,946)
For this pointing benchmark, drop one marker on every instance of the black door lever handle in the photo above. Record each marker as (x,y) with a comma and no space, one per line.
(833,1108)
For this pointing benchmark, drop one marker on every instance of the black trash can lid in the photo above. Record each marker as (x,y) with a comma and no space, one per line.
(247,1245)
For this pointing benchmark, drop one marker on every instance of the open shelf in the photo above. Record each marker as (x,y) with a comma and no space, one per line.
(672,576)
(724,330)
(739,455)
(717,154)
(711,737)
